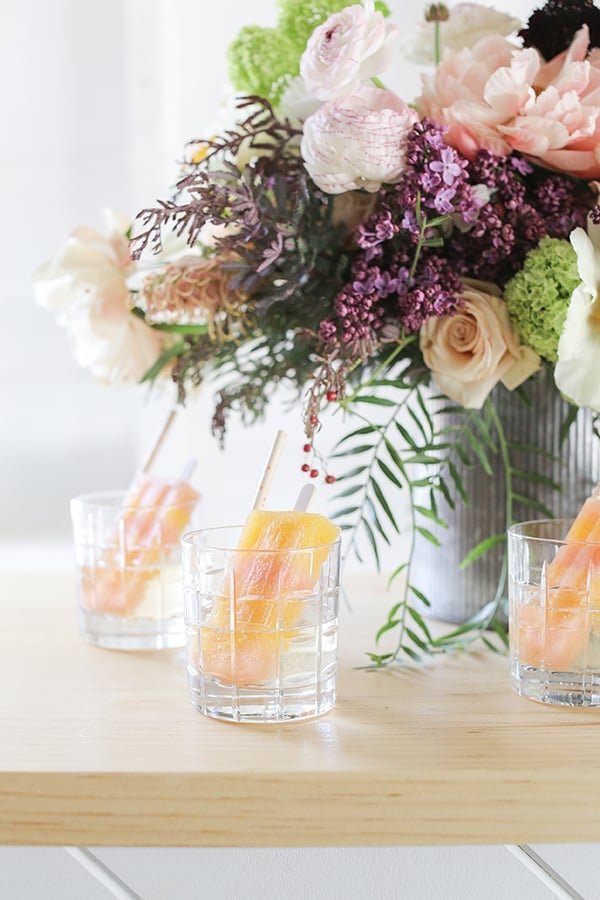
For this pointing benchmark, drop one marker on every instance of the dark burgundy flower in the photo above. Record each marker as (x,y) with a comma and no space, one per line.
(551,28)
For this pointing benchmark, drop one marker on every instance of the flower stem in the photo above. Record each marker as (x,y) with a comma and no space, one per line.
(437,42)
(508,481)
(422,220)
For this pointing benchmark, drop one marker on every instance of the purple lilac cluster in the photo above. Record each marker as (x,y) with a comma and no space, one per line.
(563,202)
(523,207)
(438,174)
(489,212)
(382,289)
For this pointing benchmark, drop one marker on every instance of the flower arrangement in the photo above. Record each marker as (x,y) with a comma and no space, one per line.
(369,249)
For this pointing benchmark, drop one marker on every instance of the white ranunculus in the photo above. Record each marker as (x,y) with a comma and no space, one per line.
(350,47)
(577,372)
(360,144)
(466,24)
(85,285)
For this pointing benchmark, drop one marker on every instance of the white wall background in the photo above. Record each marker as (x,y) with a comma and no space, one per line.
(98,101)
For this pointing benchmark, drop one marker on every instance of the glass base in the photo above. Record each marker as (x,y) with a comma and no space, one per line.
(556,688)
(121,633)
(261,705)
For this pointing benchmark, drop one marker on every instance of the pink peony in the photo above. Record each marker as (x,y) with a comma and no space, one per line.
(500,99)
(361,144)
(560,124)
(454,96)
(348,48)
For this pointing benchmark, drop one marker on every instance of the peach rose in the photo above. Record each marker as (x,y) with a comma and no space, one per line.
(470,352)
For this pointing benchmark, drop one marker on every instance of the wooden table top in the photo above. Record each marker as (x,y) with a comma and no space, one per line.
(102,747)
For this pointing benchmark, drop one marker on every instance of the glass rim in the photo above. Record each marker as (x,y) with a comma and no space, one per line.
(188,540)
(111,499)
(519,531)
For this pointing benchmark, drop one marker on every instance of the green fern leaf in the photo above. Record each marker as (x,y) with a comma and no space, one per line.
(481,548)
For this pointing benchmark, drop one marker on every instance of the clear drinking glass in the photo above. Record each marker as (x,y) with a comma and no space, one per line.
(262,628)
(129,574)
(554,614)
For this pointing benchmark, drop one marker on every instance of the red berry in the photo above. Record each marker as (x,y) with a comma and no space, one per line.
(330,479)
(307,448)
(305,467)
(331,396)
(314,473)
(314,420)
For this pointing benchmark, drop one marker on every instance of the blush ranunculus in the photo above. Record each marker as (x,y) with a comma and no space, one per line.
(350,47)
(470,352)
(85,285)
(360,144)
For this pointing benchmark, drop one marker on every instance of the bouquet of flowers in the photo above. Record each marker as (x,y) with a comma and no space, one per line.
(369,248)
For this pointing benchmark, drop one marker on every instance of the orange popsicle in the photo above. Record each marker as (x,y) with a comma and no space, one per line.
(553,637)
(554,633)
(264,593)
(155,513)
(578,560)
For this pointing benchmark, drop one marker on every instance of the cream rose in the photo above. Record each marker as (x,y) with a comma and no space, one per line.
(361,144)
(348,48)
(470,352)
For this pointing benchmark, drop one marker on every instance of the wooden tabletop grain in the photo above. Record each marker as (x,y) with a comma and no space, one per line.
(102,747)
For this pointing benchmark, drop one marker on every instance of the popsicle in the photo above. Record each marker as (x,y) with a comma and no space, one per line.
(576,562)
(554,634)
(267,588)
(553,638)
(264,591)
(155,513)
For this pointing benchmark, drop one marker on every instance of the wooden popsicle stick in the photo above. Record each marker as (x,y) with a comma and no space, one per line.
(269,472)
(154,450)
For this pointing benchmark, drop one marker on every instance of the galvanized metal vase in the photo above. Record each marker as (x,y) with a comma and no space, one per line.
(456,594)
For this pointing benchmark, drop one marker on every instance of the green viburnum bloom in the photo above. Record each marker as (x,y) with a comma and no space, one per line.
(538,296)
(261,61)
(299,18)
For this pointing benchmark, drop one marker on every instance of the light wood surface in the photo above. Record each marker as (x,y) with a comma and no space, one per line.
(103,747)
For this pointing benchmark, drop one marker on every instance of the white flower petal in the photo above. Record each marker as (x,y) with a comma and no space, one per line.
(577,372)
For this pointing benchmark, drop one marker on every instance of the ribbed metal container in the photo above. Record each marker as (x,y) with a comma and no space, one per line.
(457,594)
